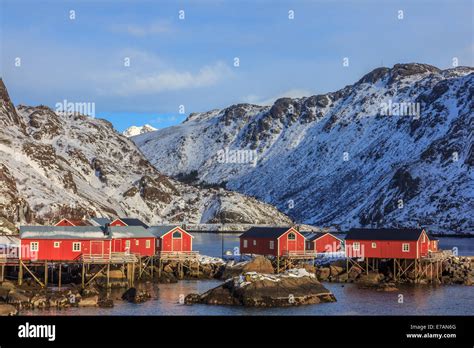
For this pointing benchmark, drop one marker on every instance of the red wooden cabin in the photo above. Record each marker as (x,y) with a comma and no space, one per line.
(276,241)
(132,239)
(390,243)
(69,222)
(62,243)
(322,242)
(172,239)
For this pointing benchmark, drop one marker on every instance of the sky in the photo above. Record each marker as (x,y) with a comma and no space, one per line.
(140,61)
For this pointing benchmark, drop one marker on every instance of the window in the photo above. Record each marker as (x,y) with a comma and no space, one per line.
(56,244)
(34,246)
(356,246)
(245,243)
(374,245)
(147,244)
(158,243)
(76,246)
(405,247)
(127,244)
(176,235)
(291,236)
(423,238)
(254,242)
(137,242)
(272,244)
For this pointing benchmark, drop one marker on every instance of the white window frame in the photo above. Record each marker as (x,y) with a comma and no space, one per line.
(56,244)
(147,244)
(127,244)
(407,249)
(374,245)
(254,242)
(137,242)
(34,246)
(292,234)
(272,245)
(356,246)
(246,243)
(74,244)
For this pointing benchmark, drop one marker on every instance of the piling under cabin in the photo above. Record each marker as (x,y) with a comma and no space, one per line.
(322,242)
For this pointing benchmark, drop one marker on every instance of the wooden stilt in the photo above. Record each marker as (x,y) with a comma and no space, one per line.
(152,267)
(46,273)
(3,273)
(108,275)
(59,277)
(83,275)
(20,273)
(367,266)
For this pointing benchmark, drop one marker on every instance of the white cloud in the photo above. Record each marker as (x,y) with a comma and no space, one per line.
(143,30)
(131,82)
(292,93)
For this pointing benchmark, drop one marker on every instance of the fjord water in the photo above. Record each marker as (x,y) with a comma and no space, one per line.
(351,300)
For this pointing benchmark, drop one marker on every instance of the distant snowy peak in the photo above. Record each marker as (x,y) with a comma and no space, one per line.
(137,130)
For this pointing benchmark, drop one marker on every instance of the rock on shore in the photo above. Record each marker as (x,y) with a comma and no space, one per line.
(293,288)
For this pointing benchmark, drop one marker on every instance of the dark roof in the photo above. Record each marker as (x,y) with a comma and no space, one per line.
(384,234)
(265,232)
(134,222)
(160,230)
(100,221)
(310,236)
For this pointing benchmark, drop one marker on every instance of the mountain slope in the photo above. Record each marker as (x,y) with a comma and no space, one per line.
(347,158)
(55,165)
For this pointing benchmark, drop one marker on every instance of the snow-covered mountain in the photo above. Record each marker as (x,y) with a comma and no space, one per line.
(393,149)
(58,165)
(137,130)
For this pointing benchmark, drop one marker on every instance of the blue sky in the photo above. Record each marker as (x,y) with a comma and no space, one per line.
(190,62)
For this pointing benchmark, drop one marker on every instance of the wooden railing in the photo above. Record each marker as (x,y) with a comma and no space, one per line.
(115,257)
(301,254)
(177,255)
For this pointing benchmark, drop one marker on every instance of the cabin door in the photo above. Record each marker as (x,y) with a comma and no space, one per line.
(117,245)
(177,244)
(97,247)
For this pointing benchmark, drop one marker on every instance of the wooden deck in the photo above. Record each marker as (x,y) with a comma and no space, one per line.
(301,255)
(115,257)
(178,255)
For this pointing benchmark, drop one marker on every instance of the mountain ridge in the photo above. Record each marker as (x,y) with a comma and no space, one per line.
(420,163)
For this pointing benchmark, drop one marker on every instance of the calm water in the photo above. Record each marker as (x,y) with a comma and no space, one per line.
(417,300)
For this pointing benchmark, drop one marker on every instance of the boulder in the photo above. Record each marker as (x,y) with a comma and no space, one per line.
(323,273)
(16,297)
(336,270)
(8,285)
(39,301)
(264,290)
(371,278)
(135,296)
(259,264)
(4,294)
(7,309)
(90,301)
